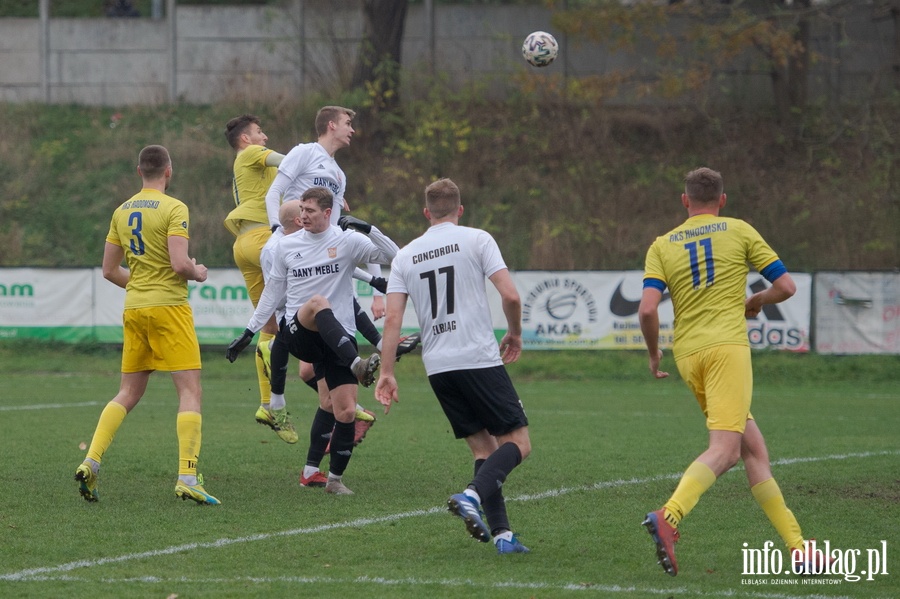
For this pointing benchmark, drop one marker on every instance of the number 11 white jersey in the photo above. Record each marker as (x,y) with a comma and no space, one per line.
(444,274)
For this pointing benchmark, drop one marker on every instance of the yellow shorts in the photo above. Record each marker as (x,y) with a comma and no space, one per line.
(721,378)
(160,338)
(246,257)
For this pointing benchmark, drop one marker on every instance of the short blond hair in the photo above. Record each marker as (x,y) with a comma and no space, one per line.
(442,198)
(329,114)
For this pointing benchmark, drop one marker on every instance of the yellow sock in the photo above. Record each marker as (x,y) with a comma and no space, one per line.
(110,420)
(770,499)
(265,389)
(188,427)
(694,482)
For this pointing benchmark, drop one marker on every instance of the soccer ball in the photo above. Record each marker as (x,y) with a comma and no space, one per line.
(540,49)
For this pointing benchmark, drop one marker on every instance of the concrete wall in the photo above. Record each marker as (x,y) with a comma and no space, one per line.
(211,53)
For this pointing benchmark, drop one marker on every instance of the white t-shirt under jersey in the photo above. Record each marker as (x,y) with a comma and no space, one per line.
(266,259)
(444,273)
(305,166)
(305,264)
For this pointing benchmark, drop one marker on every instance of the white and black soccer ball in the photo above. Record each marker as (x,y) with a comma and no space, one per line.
(540,49)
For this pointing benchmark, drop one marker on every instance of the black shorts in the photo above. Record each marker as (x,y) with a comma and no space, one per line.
(309,346)
(477,399)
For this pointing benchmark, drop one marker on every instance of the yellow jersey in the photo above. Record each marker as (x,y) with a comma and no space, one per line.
(252,179)
(704,263)
(142,226)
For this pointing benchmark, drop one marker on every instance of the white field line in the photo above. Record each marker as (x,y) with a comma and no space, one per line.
(604,589)
(40,573)
(48,406)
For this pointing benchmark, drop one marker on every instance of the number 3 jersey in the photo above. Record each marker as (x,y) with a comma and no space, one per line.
(443,272)
(142,226)
(703,262)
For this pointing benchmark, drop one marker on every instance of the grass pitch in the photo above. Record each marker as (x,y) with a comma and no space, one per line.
(609,445)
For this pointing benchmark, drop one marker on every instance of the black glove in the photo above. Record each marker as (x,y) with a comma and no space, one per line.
(275,227)
(354,223)
(379,283)
(239,345)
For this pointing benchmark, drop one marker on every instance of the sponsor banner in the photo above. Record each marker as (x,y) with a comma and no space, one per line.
(53,304)
(560,310)
(598,310)
(857,313)
(220,305)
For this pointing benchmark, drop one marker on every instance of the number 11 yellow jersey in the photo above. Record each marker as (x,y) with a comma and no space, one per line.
(704,263)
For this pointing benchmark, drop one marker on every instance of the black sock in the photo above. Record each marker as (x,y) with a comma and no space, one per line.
(492,474)
(365,326)
(335,337)
(494,508)
(313,384)
(279,363)
(319,434)
(341,446)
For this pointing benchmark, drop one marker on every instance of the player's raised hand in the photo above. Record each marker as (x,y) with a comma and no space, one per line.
(351,222)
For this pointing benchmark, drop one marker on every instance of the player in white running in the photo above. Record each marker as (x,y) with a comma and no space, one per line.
(313,269)
(444,273)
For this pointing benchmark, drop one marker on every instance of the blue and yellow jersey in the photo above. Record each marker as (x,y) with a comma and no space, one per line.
(704,263)
(142,226)
(252,179)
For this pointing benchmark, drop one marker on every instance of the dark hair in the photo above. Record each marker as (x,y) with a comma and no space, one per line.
(153,161)
(442,198)
(704,185)
(236,127)
(328,114)
(321,195)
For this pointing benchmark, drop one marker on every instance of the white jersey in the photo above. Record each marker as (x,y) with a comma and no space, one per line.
(305,264)
(305,166)
(443,272)
(266,259)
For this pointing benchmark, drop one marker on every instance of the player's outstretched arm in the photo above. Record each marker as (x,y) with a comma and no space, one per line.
(239,345)
(356,224)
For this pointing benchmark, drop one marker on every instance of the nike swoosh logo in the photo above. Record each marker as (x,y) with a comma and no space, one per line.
(623,307)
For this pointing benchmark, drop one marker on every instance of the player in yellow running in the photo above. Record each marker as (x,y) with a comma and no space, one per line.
(150,233)
(703,262)
(255,167)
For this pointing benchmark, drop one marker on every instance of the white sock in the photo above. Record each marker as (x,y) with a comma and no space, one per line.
(189,480)
(378,347)
(506,536)
(473,495)
(308,471)
(277,402)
